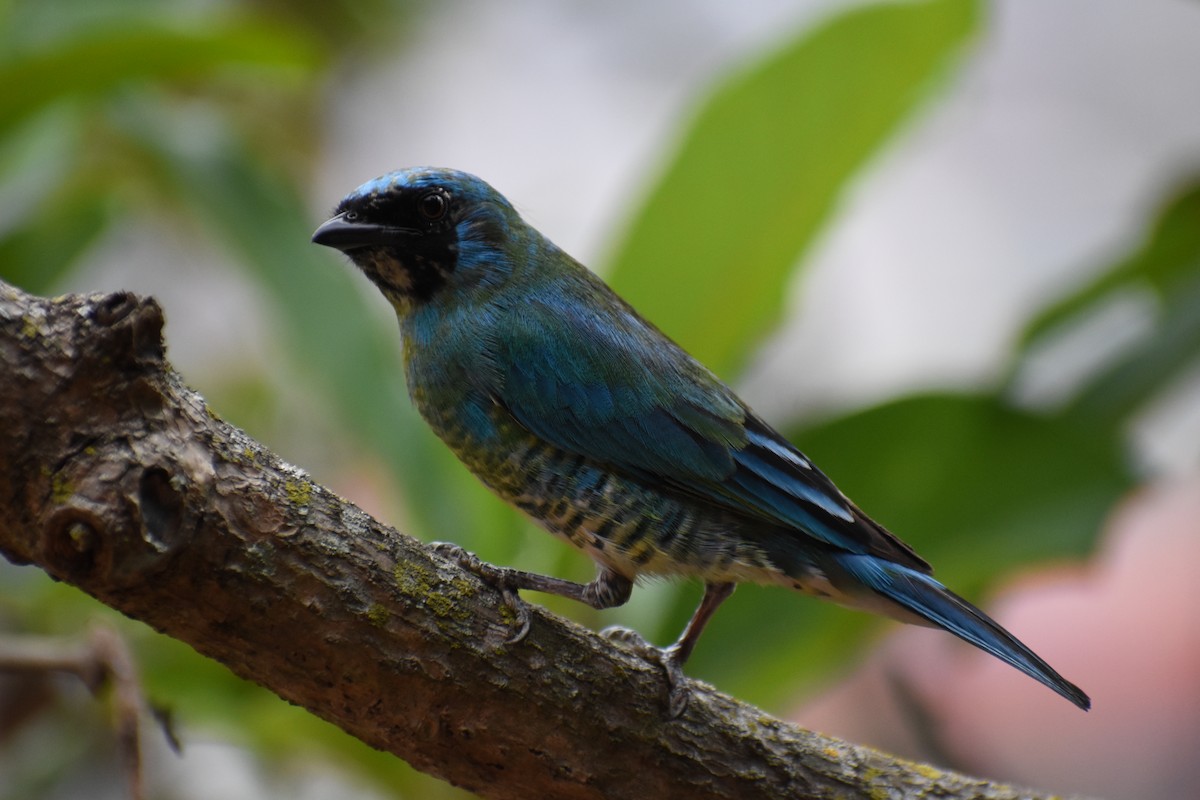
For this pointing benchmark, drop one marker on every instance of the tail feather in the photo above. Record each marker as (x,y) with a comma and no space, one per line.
(929,600)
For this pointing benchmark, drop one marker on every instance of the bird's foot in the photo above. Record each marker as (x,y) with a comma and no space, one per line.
(501,579)
(678,687)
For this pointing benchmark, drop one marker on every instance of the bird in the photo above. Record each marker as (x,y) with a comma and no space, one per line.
(572,407)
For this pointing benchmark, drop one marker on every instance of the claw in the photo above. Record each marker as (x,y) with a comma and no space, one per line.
(498,578)
(627,638)
(679,690)
(452,552)
(519,609)
(678,687)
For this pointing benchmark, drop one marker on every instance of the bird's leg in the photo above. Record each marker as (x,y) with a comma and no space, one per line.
(714,595)
(674,657)
(608,590)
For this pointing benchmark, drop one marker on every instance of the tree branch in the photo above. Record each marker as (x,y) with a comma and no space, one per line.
(117,479)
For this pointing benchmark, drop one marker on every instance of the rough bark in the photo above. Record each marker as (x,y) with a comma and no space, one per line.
(117,479)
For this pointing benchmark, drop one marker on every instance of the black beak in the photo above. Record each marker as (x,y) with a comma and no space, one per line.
(342,234)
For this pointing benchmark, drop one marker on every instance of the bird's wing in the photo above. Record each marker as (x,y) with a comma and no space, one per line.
(612,388)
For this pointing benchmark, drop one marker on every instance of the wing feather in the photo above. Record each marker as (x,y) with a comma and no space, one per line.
(611,387)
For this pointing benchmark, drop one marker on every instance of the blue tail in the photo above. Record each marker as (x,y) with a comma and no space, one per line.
(929,600)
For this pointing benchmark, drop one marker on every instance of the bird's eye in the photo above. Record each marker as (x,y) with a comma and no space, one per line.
(432,206)
(350,216)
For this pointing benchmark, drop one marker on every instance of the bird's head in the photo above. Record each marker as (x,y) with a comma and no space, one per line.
(419,231)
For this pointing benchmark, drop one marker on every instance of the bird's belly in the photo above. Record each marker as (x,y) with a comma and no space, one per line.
(622,523)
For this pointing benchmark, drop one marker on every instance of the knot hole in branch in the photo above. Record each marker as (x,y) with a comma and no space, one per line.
(162,508)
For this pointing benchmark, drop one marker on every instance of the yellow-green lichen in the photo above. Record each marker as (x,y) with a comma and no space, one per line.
(928,772)
(80,536)
(439,604)
(507,615)
(299,492)
(61,489)
(378,615)
(876,791)
(412,578)
(30,329)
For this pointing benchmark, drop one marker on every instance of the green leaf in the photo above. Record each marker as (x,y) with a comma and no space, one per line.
(106,58)
(1170,252)
(1167,265)
(764,164)
(38,252)
(1150,365)
(977,486)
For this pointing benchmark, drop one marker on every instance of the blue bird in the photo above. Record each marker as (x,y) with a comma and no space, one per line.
(566,403)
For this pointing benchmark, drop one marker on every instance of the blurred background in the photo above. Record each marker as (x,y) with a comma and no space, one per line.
(951,248)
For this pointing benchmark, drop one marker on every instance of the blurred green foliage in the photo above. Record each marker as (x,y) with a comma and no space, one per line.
(203,116)
(765,161)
